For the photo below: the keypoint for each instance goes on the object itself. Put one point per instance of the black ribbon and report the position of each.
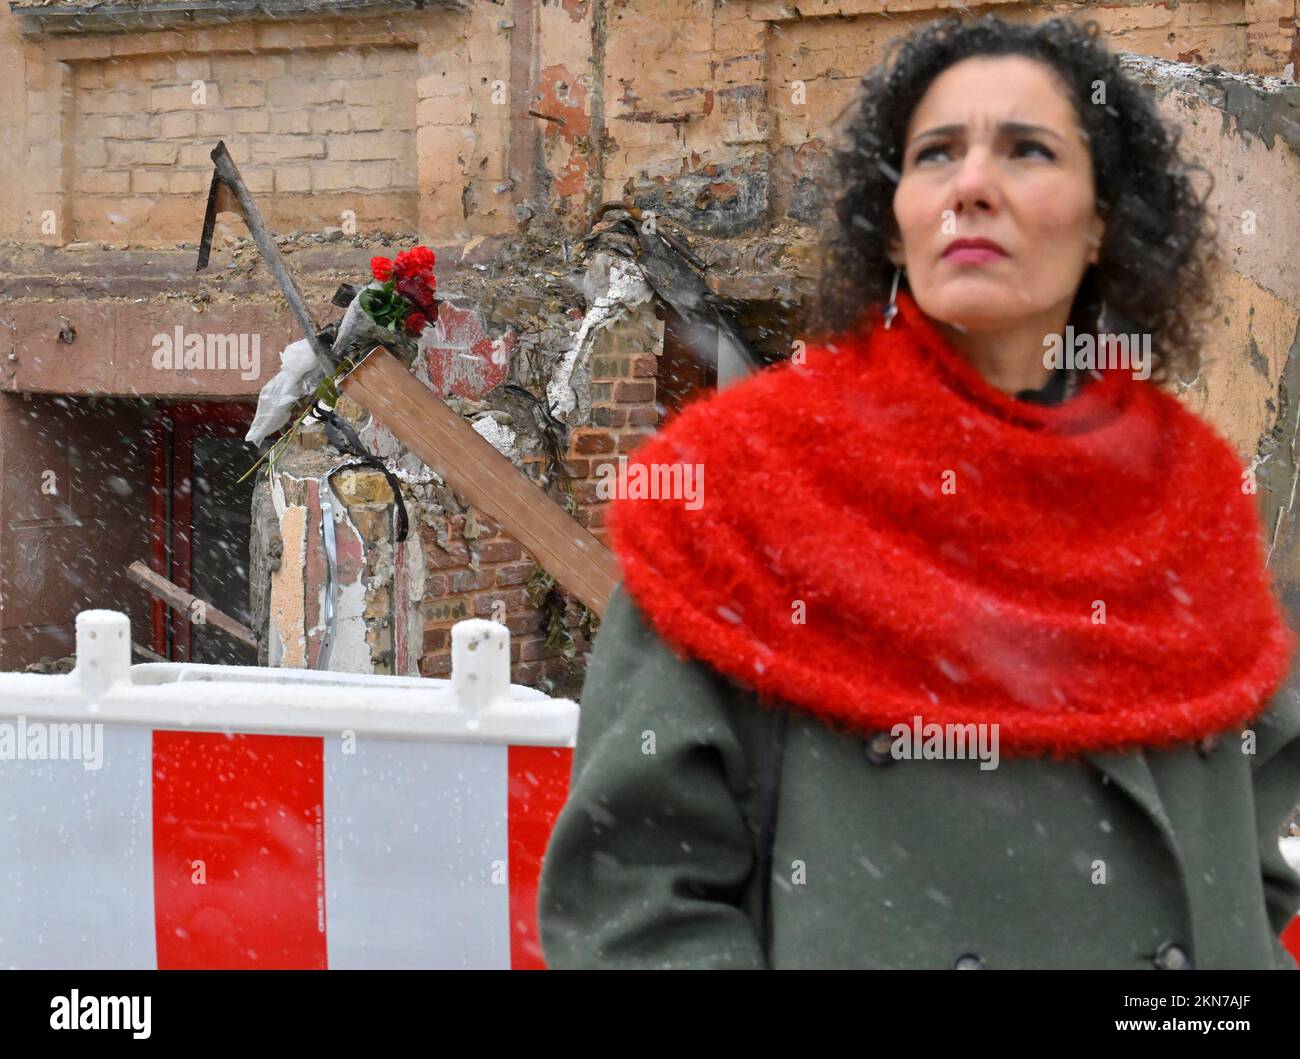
(345, 439)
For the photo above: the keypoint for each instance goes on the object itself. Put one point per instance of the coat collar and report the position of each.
(1129, 771)
(1278, 726)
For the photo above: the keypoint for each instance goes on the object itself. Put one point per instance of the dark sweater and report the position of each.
(1064, 383)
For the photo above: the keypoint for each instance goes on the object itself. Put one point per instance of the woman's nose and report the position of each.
(975, 186)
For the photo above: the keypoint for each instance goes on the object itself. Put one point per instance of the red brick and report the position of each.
(645, 367)
(629, 442)
(631, 392)
(643, 417)
(455, 554)
(598, 467)
(528, 674)
(593, 442)
(515, 599)
(471, 580)
(499, 551)
(532, 648)
(521, 624)
(515, 573)
(435, 665)
(556, 665)
(608, 417)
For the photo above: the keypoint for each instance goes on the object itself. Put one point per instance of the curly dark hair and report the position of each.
(1159, 247)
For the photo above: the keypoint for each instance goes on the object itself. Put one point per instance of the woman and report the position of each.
(969, 657)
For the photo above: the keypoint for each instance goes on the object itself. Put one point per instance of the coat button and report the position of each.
(968, 962)
(877, 748)
(1171, 957)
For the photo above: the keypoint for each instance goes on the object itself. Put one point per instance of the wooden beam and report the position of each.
(468, 463)
(144, 652)
(228, 192)
(180, 600)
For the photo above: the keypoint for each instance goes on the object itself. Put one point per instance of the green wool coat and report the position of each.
(1153, 859)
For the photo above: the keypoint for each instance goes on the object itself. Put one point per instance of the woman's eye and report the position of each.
(1034, 145)
(925, 152)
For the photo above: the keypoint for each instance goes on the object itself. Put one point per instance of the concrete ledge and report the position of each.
(1264, 107)
(122, 16)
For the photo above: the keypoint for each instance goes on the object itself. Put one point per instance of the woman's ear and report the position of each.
(1095, 233)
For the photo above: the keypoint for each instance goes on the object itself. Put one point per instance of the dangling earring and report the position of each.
(891, 310)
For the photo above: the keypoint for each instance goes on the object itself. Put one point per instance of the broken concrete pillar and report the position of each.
(352, 597)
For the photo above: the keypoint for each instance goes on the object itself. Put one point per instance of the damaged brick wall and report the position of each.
(308, 131)
(374, 117)
(492, 132)
(463, 563)
(372, 585)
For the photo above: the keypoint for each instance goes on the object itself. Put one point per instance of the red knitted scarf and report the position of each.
(880, 534)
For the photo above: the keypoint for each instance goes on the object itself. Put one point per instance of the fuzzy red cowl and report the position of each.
(881, 534)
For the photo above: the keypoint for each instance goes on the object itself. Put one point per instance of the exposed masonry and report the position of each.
(1255, 111)
(625, 289)
(1264, 107)
(1278, 469)
(378, 585)
(312, 128)
(395, 606)
(558, 343)
(683, 109)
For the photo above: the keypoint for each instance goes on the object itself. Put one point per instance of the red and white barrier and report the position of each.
(1291, 935)
(189, 816)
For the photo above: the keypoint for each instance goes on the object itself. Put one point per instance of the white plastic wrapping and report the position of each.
(299, 374)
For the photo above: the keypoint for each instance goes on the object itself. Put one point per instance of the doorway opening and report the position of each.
(200, 526)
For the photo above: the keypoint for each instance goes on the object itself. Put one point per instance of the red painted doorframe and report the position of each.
(171, 439)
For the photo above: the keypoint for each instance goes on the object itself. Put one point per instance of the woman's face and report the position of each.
(994, 151)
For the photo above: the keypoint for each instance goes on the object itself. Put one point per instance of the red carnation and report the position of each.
(414, 262)
(381, 268)
(416, 323)
(416, 291)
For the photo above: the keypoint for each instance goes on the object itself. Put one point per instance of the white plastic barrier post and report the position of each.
(176, 815)
(480, 662)
(103, 651)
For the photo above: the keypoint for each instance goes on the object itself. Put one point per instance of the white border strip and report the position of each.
(477, 705)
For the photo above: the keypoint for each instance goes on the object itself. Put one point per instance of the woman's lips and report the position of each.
(972, 255)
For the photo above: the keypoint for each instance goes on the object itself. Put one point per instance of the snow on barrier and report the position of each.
(189, 816)
(172, 815)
